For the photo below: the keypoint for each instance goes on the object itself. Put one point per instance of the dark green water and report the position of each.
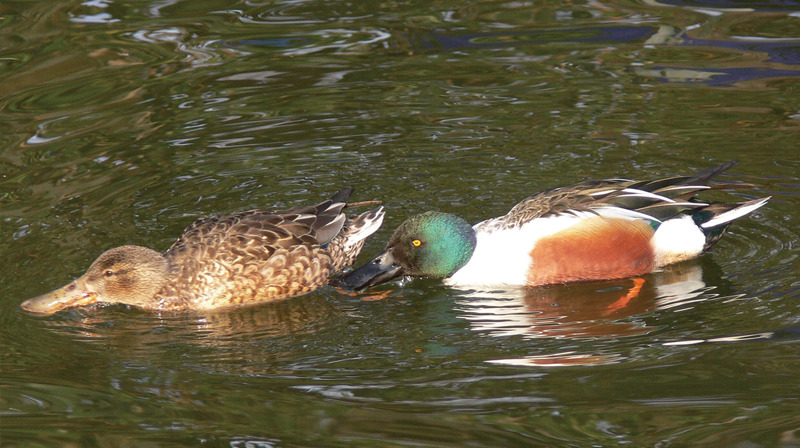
(124, 121)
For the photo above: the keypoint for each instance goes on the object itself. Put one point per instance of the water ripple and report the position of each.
(124, 121)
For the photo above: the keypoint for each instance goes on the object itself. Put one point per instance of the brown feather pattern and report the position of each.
(256, 255)
(234, 259)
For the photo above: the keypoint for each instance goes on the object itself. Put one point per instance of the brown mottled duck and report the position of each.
(240, 258)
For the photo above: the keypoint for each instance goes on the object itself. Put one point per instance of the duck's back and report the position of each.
(252, 256)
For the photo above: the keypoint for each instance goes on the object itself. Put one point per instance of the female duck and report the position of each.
(595, 230)
(241, 258)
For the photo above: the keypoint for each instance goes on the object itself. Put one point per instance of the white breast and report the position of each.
(502, 257)
(676, 240)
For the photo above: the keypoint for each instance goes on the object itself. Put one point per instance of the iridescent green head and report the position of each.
(433, 244)
(430, 244)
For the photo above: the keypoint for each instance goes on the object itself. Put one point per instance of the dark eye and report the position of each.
(108, 273)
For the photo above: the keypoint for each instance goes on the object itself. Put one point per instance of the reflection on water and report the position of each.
(761, 58)
(596, 311)
(595, 35)
(564, 359)
(134, 329)
(737, 5)
(584, 310)
(734, 338)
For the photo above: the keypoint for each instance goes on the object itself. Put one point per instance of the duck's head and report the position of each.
(430, 244)
(130, 275)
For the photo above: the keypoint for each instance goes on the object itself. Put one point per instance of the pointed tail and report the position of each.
(715, 219)
(346, 247)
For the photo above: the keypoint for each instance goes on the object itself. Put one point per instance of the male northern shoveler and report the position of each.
(240, 258)
(595, 230)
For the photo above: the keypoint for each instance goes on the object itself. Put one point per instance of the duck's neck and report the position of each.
(463, 243)
(165, 284)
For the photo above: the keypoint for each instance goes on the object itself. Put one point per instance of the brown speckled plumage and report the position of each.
(235, 259)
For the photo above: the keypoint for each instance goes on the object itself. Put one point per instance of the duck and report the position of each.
(594, 230)
(241, 258)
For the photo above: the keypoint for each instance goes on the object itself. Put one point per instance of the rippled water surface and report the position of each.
(122, 122)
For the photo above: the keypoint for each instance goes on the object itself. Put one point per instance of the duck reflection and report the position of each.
(224, 328)
(583, 310)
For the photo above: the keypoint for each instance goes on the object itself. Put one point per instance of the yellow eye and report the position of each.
(416, 243)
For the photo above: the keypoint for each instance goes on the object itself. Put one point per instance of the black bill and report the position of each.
(378, 270)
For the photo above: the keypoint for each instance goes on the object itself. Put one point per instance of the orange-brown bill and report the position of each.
(71, 295)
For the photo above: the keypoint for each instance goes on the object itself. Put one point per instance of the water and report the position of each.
(124, 121)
